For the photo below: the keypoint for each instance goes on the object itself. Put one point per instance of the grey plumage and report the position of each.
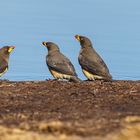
(58, 64)
(4, 58)
(91, 61)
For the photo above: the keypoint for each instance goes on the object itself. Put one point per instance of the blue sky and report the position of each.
(113, 27)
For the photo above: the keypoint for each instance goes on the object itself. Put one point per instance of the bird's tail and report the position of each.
(75, 79)
(107, 79)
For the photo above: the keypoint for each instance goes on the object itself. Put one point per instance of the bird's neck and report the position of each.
(5, 57)
(53, 51)
(86, 46)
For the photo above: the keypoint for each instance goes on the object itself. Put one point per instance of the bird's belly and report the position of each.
(91, 76)
(3, 72)
(58, 75)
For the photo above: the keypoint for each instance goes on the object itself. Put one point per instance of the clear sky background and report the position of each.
(113, 27)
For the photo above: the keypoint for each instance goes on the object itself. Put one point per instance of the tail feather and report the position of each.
(107, 79)
(75, 79)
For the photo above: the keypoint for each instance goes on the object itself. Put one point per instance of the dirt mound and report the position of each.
(58, 108)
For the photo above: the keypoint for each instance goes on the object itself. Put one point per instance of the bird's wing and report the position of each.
(96, 67)
(3, 68)
(61, 64)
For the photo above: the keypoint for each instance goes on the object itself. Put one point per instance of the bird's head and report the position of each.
(50, 46)
(84, 41)
(6, 50)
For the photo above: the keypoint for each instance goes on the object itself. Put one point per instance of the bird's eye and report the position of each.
(7, 50)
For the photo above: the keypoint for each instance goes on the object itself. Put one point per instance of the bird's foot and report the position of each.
(6, 80)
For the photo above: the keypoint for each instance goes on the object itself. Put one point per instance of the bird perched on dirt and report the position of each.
(58, 64)
(4, 58)
(93, 67)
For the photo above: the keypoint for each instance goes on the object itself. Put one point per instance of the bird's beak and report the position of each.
(11, 48)
(77, 37)
(44, 43)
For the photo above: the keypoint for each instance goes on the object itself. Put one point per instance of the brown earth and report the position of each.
(63, 110)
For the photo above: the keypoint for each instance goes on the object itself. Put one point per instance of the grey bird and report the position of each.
(93, 66)
(58, 64)
(4, 58)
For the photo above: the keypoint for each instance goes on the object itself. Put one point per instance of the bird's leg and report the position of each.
(4, 80)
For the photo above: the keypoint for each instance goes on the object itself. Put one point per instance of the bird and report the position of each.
(4, 58)
(58, 64)
(93, 66)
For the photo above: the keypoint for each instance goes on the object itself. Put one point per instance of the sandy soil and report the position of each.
(64, 110)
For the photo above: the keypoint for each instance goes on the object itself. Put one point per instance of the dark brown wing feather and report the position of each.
(58, 62)
(92, 62)
(3, 66)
